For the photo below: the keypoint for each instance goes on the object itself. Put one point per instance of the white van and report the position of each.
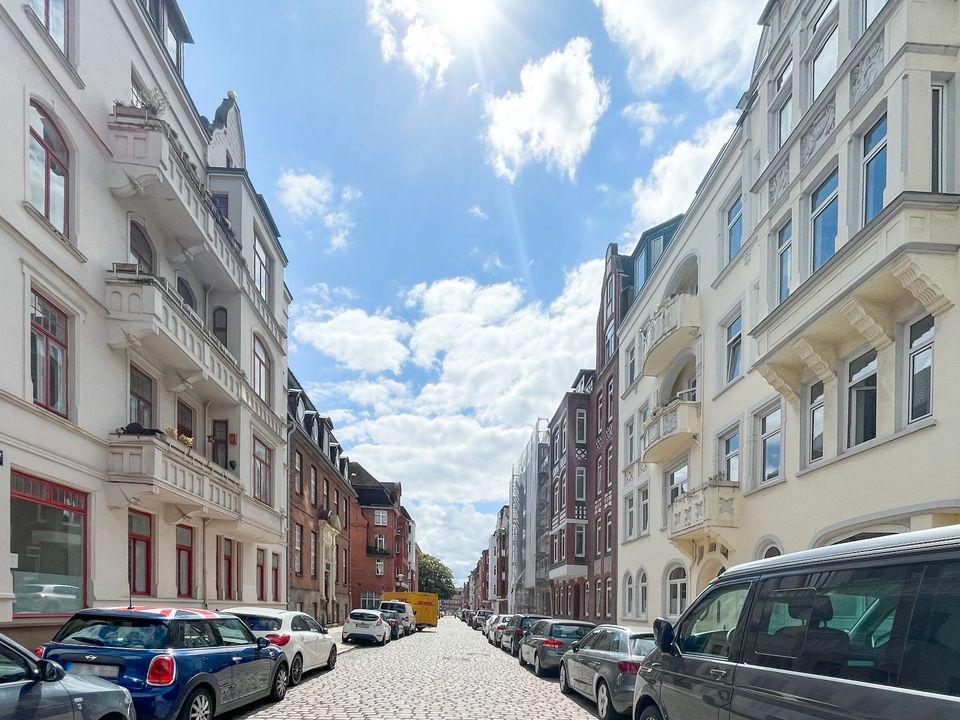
(408, 618)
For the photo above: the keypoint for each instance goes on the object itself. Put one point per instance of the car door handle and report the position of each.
(237, 658)
(718, 673)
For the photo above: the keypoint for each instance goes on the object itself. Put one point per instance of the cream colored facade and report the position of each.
(186, 316)
(864, 321)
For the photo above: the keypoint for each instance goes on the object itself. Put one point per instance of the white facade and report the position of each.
(791, 386)
(151, 313)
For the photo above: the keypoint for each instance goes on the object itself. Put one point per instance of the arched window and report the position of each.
(220, 325)
(261, 370)
(49, 169)
(641, 594)
(140, 248)
(627, 595)
(772, 551)
(676, 591)
(186, 292)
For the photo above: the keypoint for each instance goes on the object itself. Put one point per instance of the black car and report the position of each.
(517, 625)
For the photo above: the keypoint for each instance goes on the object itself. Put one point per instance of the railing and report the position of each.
(705, 509)
(374, 550)
(679, 311)
(672, 426)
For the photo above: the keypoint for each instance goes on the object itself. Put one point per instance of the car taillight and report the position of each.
(162, 670)
(38, 651)
(380, 621)
(518, 631)
(280, 639)
(551, 643)
(501, 626)
(631, 668)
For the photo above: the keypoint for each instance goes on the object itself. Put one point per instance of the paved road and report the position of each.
(447, 674)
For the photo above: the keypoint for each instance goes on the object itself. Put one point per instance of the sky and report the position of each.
(446, 176)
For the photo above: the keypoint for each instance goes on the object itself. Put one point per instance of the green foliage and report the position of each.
(435, 577)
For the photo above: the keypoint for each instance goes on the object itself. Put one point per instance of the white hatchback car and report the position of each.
(304, 641)
(366, 624)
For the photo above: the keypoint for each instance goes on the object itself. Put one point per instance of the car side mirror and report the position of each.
(575, 646)
(663, 635)
(263, 643)
(323, 629)
(50, 671)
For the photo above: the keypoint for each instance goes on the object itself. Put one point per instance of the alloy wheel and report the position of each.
(603, 701)
(332, 660)
(563, 679)
(296, 670)
(200, 708)
(281, 683)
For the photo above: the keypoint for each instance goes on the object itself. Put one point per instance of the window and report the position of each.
(53, 16)
(48, 354)
(563, 491)
(261, 575)
(610, 342)
(937, 137)
(261, 267)
(608, 305)
(140, 248)
(336, 501)
(871, 8)
(874, 169)
(581, 426)
(563, 436)
(186, 293)
(862, 399)
(173, 44)
(599, 546)
(261, 370)
(139, 551)
(184, 419)
(734, 228)
(731, 456)
(369, 600)
(676, 591)
(784, 254)
(298, 549)
(609, 532)
(677, 482)
(784, 121)
(815, 421)
(326, 494)
(628, 595)
(784, 76)
(733, 350)
(49, 170)
(586, 603)
(220, 325)
(631, 364)
(630, 431)
(630, 515)
(556, 543)
(608, 603)
(931, 661)
(579, 541)
(563, 543)
(825, 62)
(262, 472)
(609, 468)
(184, 552)
(379, 567)
(313, 554)
(644, 497)
(298, 472)
(313, 485)
(920, 366)
(770, 455)
(14, 670)
(599, 478)
(708, 629)
(221, 201)
(141, 397)
(610, 400)
(380, 541)
(823, 214)
(218, 446)
(275, 576)
(599, 411)
(641, 594)
(656, 249)
(641, 273)
(556, 447)
(234, 632)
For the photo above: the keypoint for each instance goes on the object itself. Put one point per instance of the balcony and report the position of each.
(374, 550)
(672, 328)
(708, 514)
(575, 568)
(671, 431)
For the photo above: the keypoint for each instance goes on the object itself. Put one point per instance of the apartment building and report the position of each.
(789, 358)
(499, 561)
(321, 501)
(571, 457)
(142, 394)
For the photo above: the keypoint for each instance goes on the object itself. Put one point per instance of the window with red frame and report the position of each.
(275, 572)
(218, 448)
(261, 574)
(141, 397)
(48, 354)
(184, 561)
(262, 478)
(226, 578)
(139, 551)
(49, 174)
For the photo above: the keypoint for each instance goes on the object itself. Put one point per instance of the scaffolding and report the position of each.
(529, 586)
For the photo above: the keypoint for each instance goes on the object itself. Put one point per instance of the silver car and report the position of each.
(31, 688)
(603, 667)
(544, 644)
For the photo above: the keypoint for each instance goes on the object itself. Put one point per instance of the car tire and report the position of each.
(564, 685)
(332, 658)
(346, 639)
(296, 670)
(650, 712)
(605, 709)
(383, 640)
(281, 678)
(523, 662)
(537, 667)
(197, 706)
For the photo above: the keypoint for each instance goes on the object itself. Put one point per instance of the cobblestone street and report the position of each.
(451, 673)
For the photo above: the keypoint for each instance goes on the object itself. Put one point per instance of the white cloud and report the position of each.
(355, 339)
(648, 116)
(408, 35)
(477, 212)
(451, 531)
(493, 263)
(675, 176)
(309, 197)
(709, 45)
(553, 118)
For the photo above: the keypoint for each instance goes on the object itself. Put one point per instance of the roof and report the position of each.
(165, 613)
(262, 611)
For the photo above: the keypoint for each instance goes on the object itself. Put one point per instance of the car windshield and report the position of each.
(569, 632)
(359, 616)
(258, 623)
(641, 645)
(114, 632)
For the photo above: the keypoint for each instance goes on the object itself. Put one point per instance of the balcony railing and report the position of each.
(671, 329)
(374, 550)
(708, 513)
(671, 431)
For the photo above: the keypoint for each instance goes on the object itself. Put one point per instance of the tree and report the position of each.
(435, 577)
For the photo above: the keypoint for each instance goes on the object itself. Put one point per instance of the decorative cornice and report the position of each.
(818, 359)
(870, 321)
(776, 380)
(866, 71)
(780, 181)
(911, 275)
(819, 131)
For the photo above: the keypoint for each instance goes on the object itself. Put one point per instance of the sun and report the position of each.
(464, 19)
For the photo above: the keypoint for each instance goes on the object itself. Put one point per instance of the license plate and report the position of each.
(363, 624)
(111, 672)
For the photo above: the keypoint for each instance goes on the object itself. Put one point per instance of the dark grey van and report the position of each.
(863, 630)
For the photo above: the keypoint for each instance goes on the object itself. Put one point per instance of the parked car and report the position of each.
(369, 625)
(496, 630)
(603, 665)
(513, 631)
(408, 618)
(480, 618)
(172, 660)
(466, 615)
(393, 618)
(869, 628)
(547, 640)
(34, 688)
(304, 641)
(487, 624)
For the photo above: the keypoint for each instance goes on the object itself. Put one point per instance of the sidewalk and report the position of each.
(336, 633)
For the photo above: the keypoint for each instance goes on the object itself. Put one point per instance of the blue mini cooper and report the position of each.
(176, 663)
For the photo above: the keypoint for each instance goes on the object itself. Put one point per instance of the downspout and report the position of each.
(203, 560)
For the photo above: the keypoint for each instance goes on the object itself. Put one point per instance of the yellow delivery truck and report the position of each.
(426, 606)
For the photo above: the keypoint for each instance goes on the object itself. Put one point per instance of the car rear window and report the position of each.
(397, 607)
(258, 623)
(363, 616)
(641, 645)
(114, 632)
(528, 621)
(569, 632)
